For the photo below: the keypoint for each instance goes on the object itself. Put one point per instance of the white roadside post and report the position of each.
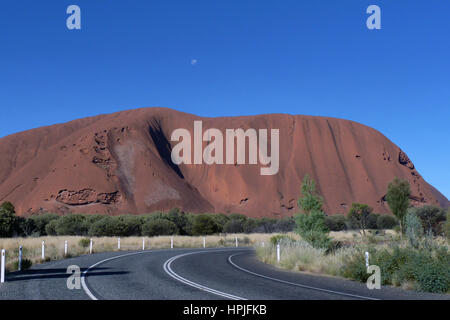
(237, 244)
(118, 243)
(278, 253)
(2, 275)
(20, 259)
(204, 242)
(263, 244)
(143, 244)
(90, 247)
(171, 242)
(43, 250)
(65, 248)
(367, 259)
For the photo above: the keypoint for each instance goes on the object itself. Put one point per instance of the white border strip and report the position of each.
(170, 272)
(296, 284)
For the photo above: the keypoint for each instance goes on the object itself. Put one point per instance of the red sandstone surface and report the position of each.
(120, 163)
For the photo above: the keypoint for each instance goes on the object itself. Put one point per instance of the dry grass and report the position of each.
(300, 256)
(54, 246)
(356, 237)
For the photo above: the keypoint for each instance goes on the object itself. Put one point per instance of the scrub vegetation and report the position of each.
(417, 256)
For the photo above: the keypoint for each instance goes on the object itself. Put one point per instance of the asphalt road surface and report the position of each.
(186, 274)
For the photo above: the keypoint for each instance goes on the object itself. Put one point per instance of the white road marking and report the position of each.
(83, 275)
(168, 269)
(93, 297)
(170, 272)
(296, 284)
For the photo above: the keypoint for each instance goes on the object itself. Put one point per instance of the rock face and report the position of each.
(121, 163)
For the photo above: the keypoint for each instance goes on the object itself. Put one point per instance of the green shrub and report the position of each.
(102, 228)
(90, 220)
(310, 200)
(397, 198)
(189, 224)
(50, 228)
(250, 225)
(434, 278)
(337, 222)
(118, 226)
(7, 220)
(355, 268)
(312, 228)
(386, 222)
(159, 227)
(234, 226)
(204, 224)
(358, 216)
(26, 264)
(238, 216)
(71, 225)
(413, 229)
(372, 221)
(220, 219)
(26, 227)
(286, 224)
(126, 225)
(447, 225)
(181, 220)
(84, 243)
(431, 218)
(428, 269)
(41, 221)
(264, 225)
(274, 240)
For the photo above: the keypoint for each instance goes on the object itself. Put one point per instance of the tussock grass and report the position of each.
(301, 256)
(54, 245)
(398, 261)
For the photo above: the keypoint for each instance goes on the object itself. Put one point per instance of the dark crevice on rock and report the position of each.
(163, 146)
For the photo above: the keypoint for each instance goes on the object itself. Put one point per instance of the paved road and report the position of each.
(188, 274)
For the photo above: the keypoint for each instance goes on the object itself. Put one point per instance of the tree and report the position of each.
(221, 220)
(431, 218)
(386, 222)
(337, 222)
(7, 219)
(204, 224)
(41, 221)
(179, 218)
(398, 199)
(359, 215)
(233, 226)
(311, 223)
(26, 226)
(312, 229)
(309, 200)
(285, 224)
(159, 227)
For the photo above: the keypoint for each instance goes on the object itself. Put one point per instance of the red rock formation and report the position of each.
(120, 163)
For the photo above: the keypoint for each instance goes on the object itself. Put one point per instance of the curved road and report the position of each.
(187, 274)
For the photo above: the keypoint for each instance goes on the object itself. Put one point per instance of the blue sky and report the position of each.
(312, 57)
